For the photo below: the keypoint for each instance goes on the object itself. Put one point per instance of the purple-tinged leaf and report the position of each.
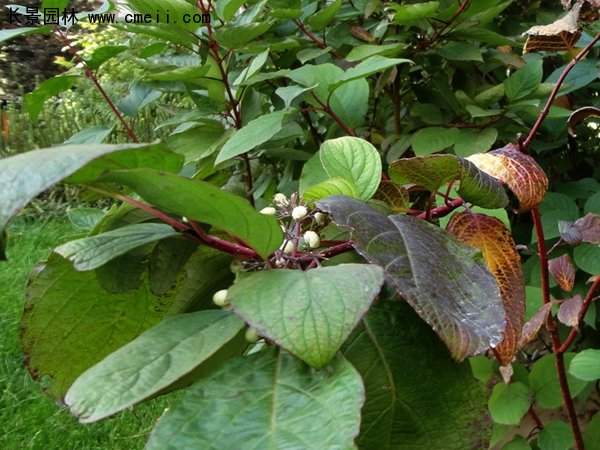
(445, 281)
(569, 310)
(563, 270)
(585, 229)
(534, 325)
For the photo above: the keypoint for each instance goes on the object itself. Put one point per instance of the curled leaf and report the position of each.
(392, 194)
(579, 115)
(568, 313)
(433, 171)
(444, 280)
(585, 229)
(533, 326)
(562, 34)
(489, 235)
(563, 270)
(520, 172)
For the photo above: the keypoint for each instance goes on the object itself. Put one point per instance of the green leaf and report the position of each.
(198, 200)
(544, 382)
(432, 172)
(255, 133)
(468, 142)
(237, 36)
(92, 135)
(461, 51)
(151, 363)
(518, 443)
(586, 365)
(308, 313)
(34, 101)
(198, 142)
(509, 403)
(365, 51)
(22, 177)
(257, 63)
(409, 14)
(355, 160)
(332, 186)
(188, 74)
(60, 4)
(587, 258)
(524, 81)
(92, 252)
(350, 102)
(368, 67)
(554, 208)
(103, 54)
(266, 401)
(416, 396)
(70, 322)
(85, 218)
(591, 434)
(556, 435)
(433, 139)
(324, 16)
(313, 173)
(140, 95)
(226, 9)
(175, 8)
(6, 35)
(453, 291)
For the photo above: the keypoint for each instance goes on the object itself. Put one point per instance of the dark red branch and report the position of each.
(584, 309)
(221, 244)
(442, 211)
(546, 110)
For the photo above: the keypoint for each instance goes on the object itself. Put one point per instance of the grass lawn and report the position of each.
(28, 419)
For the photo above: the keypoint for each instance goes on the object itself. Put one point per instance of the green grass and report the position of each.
(28, 419)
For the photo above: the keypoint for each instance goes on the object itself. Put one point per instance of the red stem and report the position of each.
(89, 73)
(544, 113)
(584, 308)
(553, 330)
(442, 211)
(220, 244)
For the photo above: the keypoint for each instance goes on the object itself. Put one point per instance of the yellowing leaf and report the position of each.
(534, 325)
(568, 313)
(502, 259)
(520, 172)
(395, 196)
(563, 271)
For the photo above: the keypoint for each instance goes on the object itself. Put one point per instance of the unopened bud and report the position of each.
(251, 335)
(312, 239)
(288, 247)
(220, 298)
(268, 211)
(320, 218)
(299, 212)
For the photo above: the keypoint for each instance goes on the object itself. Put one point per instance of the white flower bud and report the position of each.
(251, 335)
(320, 218)
(220, 298)
(299, 212)
(268, 211)
(288, 247)
(312, 239)
(280, 199)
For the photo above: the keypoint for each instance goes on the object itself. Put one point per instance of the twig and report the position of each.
(553, 330)
(584, 308)
(89, 73)
(462, 7)
(441, 211)
(327, 109)
(546, 110)
(314, 38)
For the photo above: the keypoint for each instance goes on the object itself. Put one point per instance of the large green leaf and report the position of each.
(206, 203)
(432, 172)
(226, 8)
(324, 16)
(417, 397)
(174, 8)
(266, 401)
(445, 281)
(309, 313)
(509, 403)
(34, 101)
(369, 66)
(236, 36)
(6, 35)
(24, 176)
(545, 385)
(409, 14)
(586, 365)
(332, 186)
(355, 160)
(153, 361)
(70, 322)
(524, 81)
(257, 132)
(92, 252)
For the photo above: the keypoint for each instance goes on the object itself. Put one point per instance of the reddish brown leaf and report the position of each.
(395, 196)
(502, 259)
(562, 34)
(563, 270)
(585, 229)
(568, 313)
(520, 172)
(534, 325)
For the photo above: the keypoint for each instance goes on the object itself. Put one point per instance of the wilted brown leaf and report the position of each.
(520, 172)
(502, 259)
(568, 313)
(534, 325)
(585, 229)
(563, 271)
